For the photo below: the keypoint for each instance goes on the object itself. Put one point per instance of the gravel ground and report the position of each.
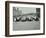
(33, 25)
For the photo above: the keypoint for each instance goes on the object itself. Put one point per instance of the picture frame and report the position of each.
(30, 22)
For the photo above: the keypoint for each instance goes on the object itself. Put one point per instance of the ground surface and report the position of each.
(33, 25)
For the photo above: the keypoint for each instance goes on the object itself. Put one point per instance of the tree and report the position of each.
(38, 12)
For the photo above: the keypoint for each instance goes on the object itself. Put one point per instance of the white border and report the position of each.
(11, 5)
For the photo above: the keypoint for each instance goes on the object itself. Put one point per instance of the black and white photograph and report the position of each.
(24, 18)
